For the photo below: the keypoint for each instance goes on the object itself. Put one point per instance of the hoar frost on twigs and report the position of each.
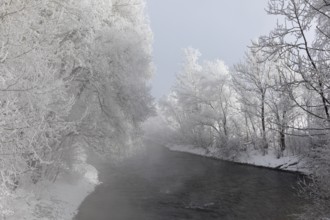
(70, 71)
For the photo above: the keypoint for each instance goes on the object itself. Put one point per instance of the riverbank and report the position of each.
(57, 200)
(253, 158)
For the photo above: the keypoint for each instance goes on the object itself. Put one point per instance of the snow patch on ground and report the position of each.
(288, 163)
(59, 200)
(188, 149)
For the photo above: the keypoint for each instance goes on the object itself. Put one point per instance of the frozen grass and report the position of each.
(288, 163)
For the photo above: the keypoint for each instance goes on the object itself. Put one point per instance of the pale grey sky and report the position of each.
(218, 28)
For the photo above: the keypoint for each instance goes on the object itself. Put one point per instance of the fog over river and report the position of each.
(163, 185)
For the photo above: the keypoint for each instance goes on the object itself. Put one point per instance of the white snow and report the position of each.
(59, 200)
(188, 149)
(289, 163)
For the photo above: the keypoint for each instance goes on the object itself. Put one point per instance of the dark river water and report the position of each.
(165, 185)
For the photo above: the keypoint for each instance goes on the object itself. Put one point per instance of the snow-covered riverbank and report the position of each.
(287, 163)
(59, 200)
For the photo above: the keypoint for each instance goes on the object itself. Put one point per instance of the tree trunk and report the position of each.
(263, 124)
(282, 133)
(247, 127)
(282, 142)
(325, 105)
(225, 130)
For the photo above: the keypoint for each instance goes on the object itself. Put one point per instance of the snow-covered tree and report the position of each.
(35, 100)
(71, 73)
(112, 85)
(282, 109)
(301, 54)
(201, 100)
(251, 80)
(301, 44)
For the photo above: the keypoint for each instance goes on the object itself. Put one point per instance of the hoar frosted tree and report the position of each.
(200, 105)
(71, 73)
(301, 44)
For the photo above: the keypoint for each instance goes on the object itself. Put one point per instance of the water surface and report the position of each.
(164, 185)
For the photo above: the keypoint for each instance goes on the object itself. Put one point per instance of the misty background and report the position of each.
(218, 28)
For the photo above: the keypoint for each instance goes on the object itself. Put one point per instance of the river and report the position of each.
(163, 185)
